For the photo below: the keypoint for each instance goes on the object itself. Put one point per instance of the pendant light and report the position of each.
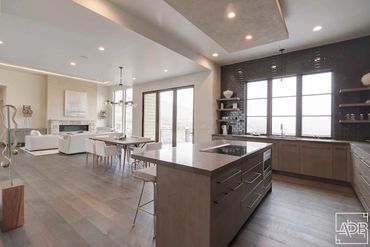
(281, 64)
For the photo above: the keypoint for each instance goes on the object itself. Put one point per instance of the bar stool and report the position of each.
(147, 175)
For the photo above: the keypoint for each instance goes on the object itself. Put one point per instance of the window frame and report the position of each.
(174, 112)
(123, 90)
(299, 97)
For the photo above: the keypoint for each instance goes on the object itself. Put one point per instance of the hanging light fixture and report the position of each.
(281, 64)
(121, 102)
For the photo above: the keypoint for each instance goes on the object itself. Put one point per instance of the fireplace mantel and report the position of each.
(54, 125)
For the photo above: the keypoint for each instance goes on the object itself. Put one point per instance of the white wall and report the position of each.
(206, 90)
(103, 94)
(56, 87)
(24, 88)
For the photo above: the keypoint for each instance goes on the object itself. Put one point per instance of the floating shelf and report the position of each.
(355, 121)
(354, 105)
(228, 109)
(229, 121)
(231, 99)
(352, 90)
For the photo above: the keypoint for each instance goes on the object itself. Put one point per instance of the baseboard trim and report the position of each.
(324, 180)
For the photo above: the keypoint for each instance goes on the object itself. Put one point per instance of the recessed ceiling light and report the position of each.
(133, 78)
(165, 71)
(1, 42)
(231, 15)
(72, 63)
(317, 28)
(101, 48)
(248, 37)
(215, 54)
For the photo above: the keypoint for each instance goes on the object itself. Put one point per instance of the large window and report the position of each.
(257, 107)
(168, 115)
(128, 111)
(284, 105)
(122, 113)
(299, 105)
(316, 104)
(118, 111)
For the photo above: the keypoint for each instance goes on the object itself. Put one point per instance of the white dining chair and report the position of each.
(146, 147)
(107, 153)
(89, 148)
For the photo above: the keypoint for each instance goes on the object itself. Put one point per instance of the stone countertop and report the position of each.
(362, 150)
(189, 157)
(287, 138)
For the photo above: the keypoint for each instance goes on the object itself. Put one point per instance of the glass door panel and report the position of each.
(166, 117)
(184, 113)
(150, 106)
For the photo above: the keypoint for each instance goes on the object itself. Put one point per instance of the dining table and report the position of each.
(124, 142)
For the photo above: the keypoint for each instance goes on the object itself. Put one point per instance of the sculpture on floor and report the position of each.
(8, 138)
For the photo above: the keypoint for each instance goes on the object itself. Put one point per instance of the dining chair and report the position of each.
(107, 152)
(145, 148)
(89, 148)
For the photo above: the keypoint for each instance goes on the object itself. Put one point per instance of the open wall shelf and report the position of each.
(354, 121)
(354, 105)
(353, 90)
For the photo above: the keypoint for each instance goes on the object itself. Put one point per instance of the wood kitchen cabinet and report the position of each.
(341, 168)
(361, 178)
(289, 157)
(316, 159)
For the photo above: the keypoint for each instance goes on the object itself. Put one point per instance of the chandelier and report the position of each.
(120, 102)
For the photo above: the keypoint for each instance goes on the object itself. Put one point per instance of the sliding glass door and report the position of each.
(168, 115)
(184, 121)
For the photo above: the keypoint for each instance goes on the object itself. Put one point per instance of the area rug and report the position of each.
(41, 152)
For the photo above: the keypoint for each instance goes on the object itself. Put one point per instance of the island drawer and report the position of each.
(267, 180)
(251, 178)
(251, 200)
(252, 161)
(227, 181)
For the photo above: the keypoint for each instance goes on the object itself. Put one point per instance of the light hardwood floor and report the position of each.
(67, 204)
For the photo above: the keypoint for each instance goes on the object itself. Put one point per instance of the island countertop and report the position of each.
(190, 157)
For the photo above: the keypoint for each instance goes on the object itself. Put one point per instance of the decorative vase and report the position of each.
(228, 94)
(366, 79)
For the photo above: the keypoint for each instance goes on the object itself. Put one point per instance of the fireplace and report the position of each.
(56, 126)
(73, 127)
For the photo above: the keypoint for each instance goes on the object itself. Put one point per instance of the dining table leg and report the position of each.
(124, 156)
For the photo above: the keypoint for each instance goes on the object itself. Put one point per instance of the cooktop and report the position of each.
(228, 149)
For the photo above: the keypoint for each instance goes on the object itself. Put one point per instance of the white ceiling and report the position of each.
(262, 19)
(48, 35)
(340, 19)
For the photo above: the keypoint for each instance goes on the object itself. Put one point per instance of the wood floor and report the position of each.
(67, 204)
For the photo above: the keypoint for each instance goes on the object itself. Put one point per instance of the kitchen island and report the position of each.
(206, 192)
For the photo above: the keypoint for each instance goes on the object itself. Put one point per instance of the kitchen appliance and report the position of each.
(267, 162)
(224, 129)
(229, 149)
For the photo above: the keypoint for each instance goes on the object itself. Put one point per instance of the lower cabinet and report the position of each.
(361, 179)
(316, 160)
(288, 156)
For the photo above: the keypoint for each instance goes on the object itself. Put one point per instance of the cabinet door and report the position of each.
(289, 157)
(275, 156)
(316, 159)
(340, 167)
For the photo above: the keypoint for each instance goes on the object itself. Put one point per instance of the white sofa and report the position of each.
(41, 142)
(75, 143)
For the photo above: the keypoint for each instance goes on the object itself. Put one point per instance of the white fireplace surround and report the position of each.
(54, 125)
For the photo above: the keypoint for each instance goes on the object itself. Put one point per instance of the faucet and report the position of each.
(281, 129)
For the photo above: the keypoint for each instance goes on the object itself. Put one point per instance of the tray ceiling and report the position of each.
(262, 19)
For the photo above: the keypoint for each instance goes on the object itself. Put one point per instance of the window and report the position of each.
(317, 104)
(171, 120)
(257, 107)
(149, 123)
(284, 105)
(118, 111)
(128, 111)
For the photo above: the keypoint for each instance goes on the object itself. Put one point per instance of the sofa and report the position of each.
(41, 142)
(74, 143)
